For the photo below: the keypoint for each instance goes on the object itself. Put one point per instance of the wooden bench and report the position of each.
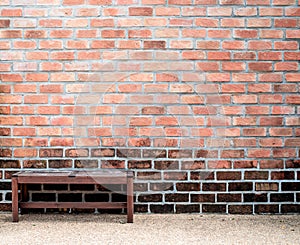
(111, 176)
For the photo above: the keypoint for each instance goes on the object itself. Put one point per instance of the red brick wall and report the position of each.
(199, 97)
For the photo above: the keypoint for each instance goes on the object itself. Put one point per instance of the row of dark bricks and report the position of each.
(213, 175)
(157, 164)
(186, 208)
(133, 153)
(209, 187)
(219, 208)
(168, 197)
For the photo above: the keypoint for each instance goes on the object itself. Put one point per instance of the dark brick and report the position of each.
(154, 44)
(240, 209)
(150, 198)
(56, 187)
(292, 163)
(10, 164)
(8, 196)
(44, 197)
(232, 154)
(116, 197)
(192, 165)
(5, 185)
(266, 186)
(166, 165)
(202, 175)
(188, 186)
(206, 154)
(282, 197)
(271, 164)
(8, 174)
(140, 186)
(228, 175)
(35, 164)
(180, 154)
(251, 197)
(229, 197)
(139, 164)
(298, 197)
(161, 186)
(203, 198)
(282, 175)
(70, 197)
(140, 208)
(79, 187)
(51, 153)
(253, 175)
(5, 131)
(162, 209)
(1, 197)
(5, 153)
(110, 187)
(261, 208)
(77, 153)
(213, 187)
(149, 175)
(97, 197)
(154, 153)
(290, 208)
(177, 197)
(60, 163)
(245, 164)
(105, 152)
(192, 208)
(213, 208)
(5, 206)
(113, 164)
(290, 186)
(175, 175)
(129, 153)
(86, 163)
(240, 186)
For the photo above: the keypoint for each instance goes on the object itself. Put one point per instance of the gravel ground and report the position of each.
(150, 229)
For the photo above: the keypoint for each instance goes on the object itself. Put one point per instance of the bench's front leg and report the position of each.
(130, 199)
(15, 201)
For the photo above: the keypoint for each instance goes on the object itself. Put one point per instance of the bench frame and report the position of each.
(23, 178)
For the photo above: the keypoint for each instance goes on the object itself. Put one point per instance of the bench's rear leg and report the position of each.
(15, 201)
(129, 199)
(24, 193)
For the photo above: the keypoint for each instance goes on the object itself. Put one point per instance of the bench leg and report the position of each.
(130, 200)
(15, 201)
(24, 197)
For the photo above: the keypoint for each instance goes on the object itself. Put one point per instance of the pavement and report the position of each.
(150, 229)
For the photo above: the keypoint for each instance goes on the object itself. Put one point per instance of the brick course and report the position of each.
(199, 98)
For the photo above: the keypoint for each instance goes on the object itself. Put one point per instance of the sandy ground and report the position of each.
(150, 229)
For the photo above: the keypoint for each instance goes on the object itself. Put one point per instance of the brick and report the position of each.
(240, 209)
(34, 164)
(140, 11)
(176, 197)
(16, 12)
(166, 208)
(214, 208)
(261, 209)
(266, 186)
(271, 164)
(229, 198)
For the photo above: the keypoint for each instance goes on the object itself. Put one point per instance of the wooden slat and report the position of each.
(106, 205)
